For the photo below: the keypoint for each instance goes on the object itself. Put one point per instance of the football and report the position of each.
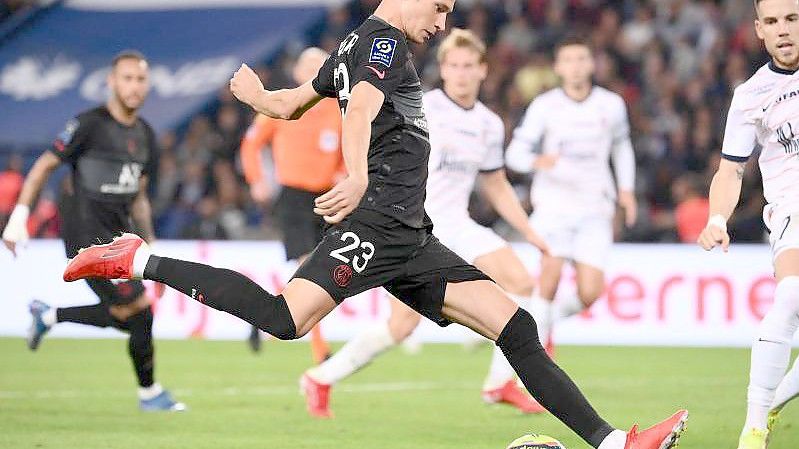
(535, 441)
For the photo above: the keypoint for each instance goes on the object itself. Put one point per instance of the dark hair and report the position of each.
(128, 54)
(575, 39)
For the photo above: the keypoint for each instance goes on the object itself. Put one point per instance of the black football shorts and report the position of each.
(369, 249)
(301, 227)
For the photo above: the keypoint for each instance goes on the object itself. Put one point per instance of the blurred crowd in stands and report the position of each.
(10, 7)
(676, 63)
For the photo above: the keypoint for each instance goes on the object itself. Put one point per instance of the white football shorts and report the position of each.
(784, 230)
(468, 239)
(582, 239)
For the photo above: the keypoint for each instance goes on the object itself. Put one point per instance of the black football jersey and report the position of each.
(378, 53)
(108, 158)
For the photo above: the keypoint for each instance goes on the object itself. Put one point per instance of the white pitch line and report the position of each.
(382, 387)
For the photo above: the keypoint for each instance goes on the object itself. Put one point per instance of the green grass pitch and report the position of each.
(79, 394)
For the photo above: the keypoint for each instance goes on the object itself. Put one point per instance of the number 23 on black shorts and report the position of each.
(365, 251)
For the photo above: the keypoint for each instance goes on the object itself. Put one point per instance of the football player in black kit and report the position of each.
(379, 234)
(112, 152)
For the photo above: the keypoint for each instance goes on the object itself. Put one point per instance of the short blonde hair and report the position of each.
(460, 38)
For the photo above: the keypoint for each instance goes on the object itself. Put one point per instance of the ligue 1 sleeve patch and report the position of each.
(66, 135)
(383, 50)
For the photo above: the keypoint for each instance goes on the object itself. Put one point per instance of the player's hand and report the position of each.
(261, 192)
(245, 85)
(341, 200)
(630, 205)
(714, 235)
(545, 161)
(537, 241)
(16, 231)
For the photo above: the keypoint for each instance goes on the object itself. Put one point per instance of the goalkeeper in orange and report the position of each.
(308, 162)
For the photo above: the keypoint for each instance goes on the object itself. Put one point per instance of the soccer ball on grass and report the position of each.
(535, 441)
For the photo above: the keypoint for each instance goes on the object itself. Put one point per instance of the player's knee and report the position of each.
(782, 321)
(142, 321)
(521, 285)
(589, 294)
(103, 317)
(123, 312)
(520, 335)
(277, 320)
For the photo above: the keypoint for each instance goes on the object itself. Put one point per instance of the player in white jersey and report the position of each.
(568, 137)
(765, 113)
(466, 141)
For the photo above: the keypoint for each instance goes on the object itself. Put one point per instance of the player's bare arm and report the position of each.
(286, 104)
(628, 202)
(503, 199)
(142, 215)
(356, 130)
(141, 212)
(545, 161)
(725, 191)
(16, 230)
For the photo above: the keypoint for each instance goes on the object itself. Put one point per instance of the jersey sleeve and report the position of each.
(495, 140)
(69, 143)
(258, 134)
(324, 84)
(622, 152)
(526, 139)
(740, 134)
(380, 61)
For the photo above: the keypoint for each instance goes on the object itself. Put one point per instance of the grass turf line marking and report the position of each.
(382, 387)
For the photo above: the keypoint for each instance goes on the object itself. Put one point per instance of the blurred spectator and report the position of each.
(676, 63)
(228, 129)
(207, 226)
(11, 180)
(197, 143)
(10, 7)
(690, 215)
(43, 220)
(339, 23)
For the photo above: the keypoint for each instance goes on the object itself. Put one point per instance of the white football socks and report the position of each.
(358, 352)
(140, 260)
(499, 372)
(541, 310)
(615, 440)
(565, 306)
(49, 317)
(771, 353)
(788, 388)
(147, 393)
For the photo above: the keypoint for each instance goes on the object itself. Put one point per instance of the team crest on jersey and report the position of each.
(383, 51)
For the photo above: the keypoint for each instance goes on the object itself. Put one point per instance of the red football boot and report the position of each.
(110, 261)
(511, 394)
(317, 397)
(664, 435)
